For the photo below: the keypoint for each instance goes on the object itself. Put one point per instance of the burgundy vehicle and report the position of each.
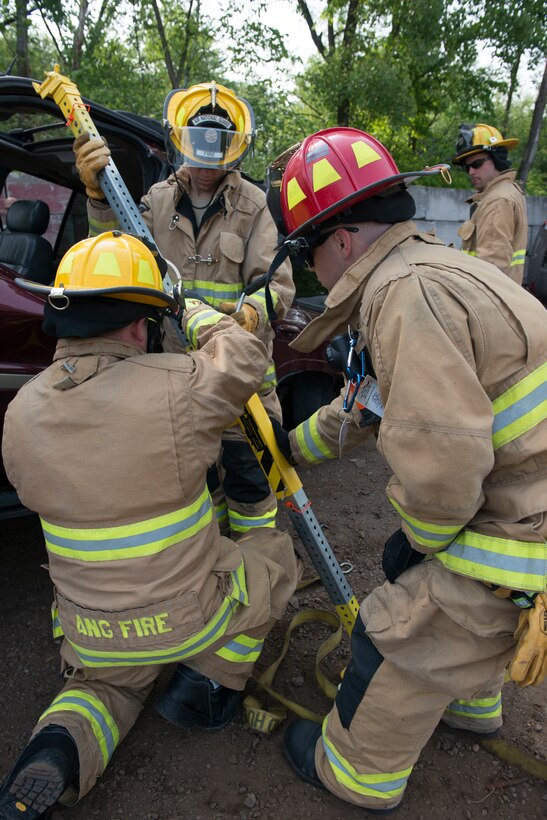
(43, 213)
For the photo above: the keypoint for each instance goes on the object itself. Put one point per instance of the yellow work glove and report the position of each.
(247, 317)
(529, 664)
(92, 155)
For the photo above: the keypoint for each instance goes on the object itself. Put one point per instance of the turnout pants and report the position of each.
(241, 494)
(433, 641)
(98, 706)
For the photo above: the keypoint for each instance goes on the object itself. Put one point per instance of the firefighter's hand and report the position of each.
(282, 440)
(247, 317)
(398, 556)
(92, 155)
(529, 664)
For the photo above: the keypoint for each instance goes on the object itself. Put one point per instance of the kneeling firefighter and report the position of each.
(449, 369)
(111, 445)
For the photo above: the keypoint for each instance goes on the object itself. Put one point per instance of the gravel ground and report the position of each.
(163, 773)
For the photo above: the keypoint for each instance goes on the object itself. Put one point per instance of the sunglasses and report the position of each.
(308, 259)
(478, 163)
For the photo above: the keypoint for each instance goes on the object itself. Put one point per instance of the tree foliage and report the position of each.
(408, 71)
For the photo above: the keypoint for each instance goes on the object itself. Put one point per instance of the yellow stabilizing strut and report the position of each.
(76, 113)
(285, 483)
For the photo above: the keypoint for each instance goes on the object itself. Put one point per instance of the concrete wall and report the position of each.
(442, 210)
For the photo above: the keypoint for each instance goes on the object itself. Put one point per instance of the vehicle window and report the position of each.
(75, 226)
(19, 185)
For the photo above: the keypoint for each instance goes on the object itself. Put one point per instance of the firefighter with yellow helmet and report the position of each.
(497, 229)
(446, 365)
(110, 445)
(215, 227)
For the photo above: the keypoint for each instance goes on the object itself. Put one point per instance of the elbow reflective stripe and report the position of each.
(429, 535)
(508, 563)
(205, 318)
(214, 292)
(520, 408)
(202, 640)
(56, 623)
(518, 257)
(313, 448)
(93, 710)
(241, 649)
(382, 786)
(470, 253)
(244, 523)
(96, 226)
(270, 379)
(481, 709)
(132, 540)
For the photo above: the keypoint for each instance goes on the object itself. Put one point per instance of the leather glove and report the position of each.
(92, 155)
(247, 317)
(529, 664)
(282, 440)
(398, 555)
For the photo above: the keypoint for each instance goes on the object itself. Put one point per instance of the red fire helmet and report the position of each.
(334, 169)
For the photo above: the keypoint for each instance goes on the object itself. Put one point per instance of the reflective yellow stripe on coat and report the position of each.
(520, 408)
(503, 561)
(313, 448)
(130, 540)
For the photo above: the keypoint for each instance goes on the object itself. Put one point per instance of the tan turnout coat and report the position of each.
(497, 230)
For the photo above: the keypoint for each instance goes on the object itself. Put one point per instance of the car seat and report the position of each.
(22, 246)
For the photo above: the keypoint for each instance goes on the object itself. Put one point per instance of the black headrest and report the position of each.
(28, 216)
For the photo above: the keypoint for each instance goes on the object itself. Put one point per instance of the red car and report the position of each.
(37, 166)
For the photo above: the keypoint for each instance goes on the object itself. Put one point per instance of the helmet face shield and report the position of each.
(204, 147)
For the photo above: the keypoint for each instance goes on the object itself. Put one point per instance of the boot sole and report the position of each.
(37, 787)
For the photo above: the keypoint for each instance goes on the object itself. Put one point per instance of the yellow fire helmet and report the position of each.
(112, 264)
(207, 126)
(473, 139)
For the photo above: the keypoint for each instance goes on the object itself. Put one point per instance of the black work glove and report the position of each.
(282, 440)
(398, 555)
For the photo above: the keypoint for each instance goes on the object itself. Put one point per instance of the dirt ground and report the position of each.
(163, 773)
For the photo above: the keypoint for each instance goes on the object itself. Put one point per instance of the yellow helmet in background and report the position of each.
(207, 126)
(473, 139)
(111, 264)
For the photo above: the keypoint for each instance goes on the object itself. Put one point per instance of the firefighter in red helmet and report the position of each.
(447, 367)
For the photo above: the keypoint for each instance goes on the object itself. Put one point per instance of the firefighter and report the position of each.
(447, 366)
(497, 228)
(110, 445)
(216, 228)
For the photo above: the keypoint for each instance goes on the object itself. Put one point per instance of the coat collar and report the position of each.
(97, 346)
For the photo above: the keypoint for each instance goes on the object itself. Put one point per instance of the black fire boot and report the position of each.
(299, 742)
(191, 700)
(44, 770)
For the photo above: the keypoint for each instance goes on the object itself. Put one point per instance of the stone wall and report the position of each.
(442, 210)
